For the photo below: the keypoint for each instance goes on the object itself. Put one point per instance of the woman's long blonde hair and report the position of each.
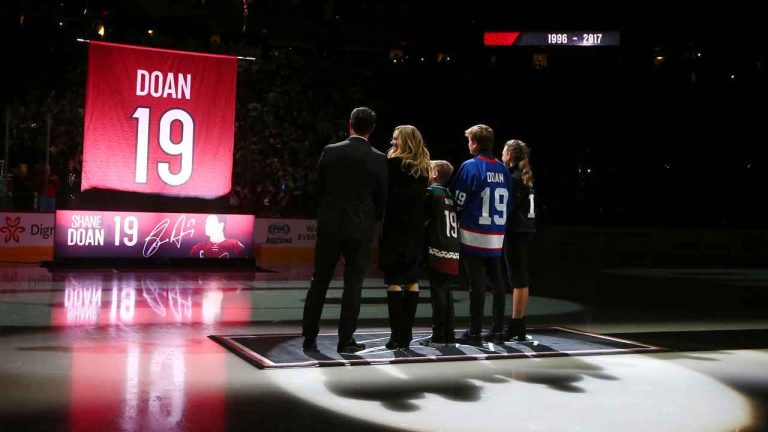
(520, 151)
(411, 149)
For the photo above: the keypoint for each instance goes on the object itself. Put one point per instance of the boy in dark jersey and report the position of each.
(481, 188)
(442, 242)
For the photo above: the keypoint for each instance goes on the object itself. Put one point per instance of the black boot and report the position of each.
(395, 307)
(410, 303)
(516, 330)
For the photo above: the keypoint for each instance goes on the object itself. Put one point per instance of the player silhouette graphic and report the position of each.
(217, 246)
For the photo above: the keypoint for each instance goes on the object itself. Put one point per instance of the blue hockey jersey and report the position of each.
(482, 191)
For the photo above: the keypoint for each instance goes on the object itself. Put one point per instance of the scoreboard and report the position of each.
(558, 38)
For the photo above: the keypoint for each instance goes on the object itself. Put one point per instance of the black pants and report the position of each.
(479, 270)
(442, 307)
(328, 249)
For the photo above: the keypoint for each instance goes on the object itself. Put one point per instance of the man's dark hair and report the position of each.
(362, 120)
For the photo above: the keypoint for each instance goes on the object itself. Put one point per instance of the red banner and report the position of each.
(159, 121)
(500, 38)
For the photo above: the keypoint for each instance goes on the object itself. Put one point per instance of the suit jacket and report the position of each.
(352, 187)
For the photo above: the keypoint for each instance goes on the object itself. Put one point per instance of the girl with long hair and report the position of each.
(520, 228)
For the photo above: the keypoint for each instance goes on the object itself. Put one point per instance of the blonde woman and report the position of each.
(402, 238)
(520, 228)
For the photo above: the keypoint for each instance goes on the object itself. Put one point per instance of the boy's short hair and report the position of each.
(444, 170)
(482, 135)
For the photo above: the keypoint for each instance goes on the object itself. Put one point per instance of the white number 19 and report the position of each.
(183, 147)
(131, 227)
(500, 202)
(451, 229)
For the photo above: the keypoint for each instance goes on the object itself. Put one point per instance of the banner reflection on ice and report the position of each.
(149, 386)
(126, 299)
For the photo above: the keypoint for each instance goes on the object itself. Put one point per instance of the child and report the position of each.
(520, 228)
(442, 241)
(481, 188)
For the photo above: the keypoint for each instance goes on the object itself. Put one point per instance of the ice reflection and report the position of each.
(178, 299)
(135, 299)
(153, 387)
(166, 388)
(130, 409)
(123, 306)
(82, 300)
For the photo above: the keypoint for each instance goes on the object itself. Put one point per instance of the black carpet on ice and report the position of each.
(285, 350)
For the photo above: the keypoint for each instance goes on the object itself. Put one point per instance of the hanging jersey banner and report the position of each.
(158, 121)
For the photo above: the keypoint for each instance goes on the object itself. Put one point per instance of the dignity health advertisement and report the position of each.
(100, 234)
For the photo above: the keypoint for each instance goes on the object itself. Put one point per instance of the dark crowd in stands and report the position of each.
(283, 115)
(663, 131)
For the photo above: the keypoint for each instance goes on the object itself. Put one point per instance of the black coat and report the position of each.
(402, 237)
(352, 188)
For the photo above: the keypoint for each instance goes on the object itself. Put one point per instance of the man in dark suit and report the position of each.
(352, 187)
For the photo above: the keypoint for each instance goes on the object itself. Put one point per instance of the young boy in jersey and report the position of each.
(442, 242)
(481, 188)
